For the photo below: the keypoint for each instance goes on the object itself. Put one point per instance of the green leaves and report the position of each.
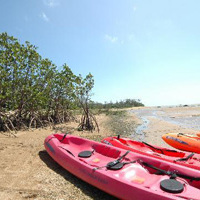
(31, 84)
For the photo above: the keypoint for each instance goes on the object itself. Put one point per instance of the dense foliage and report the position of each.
(33, 92)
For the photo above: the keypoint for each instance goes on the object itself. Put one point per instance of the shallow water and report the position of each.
(139, 130)
(190, 119)
(185, 122)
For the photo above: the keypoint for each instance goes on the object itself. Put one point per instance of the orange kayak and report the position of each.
(183, 142)
(198, 134)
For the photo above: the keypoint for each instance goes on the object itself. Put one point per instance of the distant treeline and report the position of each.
(127, 103)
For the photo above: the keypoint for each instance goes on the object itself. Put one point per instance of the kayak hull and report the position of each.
(155, 151)
(183, 142)
(133, 181)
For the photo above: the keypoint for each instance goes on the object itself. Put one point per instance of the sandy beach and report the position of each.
(157, 121)
(28, 172)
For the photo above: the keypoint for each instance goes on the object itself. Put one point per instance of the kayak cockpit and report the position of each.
(104, 166)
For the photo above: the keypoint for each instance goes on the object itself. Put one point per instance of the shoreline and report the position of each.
(168, 119)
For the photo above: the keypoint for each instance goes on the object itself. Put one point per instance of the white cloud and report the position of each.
(44, 17)
(51, 3)
(112, 39)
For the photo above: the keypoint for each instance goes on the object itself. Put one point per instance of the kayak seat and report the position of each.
(106, 151)
(103, 158)
(96, 160)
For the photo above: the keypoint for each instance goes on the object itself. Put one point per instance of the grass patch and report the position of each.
(121, 123)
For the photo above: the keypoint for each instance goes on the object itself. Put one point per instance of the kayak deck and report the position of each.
(136, 177)
(183, 158)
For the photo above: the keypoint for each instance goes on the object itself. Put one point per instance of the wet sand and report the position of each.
(154, 122)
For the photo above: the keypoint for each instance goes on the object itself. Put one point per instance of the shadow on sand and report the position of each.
(88, 189)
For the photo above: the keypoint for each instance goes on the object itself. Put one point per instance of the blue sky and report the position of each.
(138, 49)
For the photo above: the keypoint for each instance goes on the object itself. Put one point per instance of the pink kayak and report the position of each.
(124, 174)
(182, 158)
